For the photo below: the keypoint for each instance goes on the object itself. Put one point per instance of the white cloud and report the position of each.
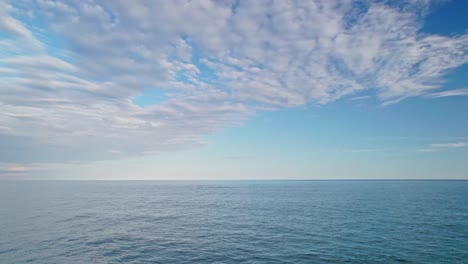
(455, 92)
(7, 169)
(70, 94)
(449, 145)
(360, 150)
(16, 169)
(10, 24)
(435, 147)
(364, 97)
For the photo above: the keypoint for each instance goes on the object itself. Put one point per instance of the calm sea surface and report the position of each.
(234, 222)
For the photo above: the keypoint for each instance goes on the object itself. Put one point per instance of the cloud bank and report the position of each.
(71, 70)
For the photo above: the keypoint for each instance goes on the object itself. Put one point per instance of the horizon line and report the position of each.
(236, 180)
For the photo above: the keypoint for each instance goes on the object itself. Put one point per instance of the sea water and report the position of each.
(233, 222)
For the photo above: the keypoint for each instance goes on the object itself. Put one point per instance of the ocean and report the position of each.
(233, 222)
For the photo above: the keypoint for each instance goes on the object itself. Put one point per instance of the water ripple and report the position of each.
(234, 222)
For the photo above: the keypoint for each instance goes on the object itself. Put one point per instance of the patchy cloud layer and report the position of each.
(71, 70)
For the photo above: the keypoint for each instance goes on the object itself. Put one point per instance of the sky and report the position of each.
(233, 90)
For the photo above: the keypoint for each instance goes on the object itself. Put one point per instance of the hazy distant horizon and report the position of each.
(12, 179)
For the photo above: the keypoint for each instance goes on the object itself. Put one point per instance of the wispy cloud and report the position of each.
(449, 145)
(441, 146)
(13, 170)
(70, 70)
(361, 97)
(240, 157)
(360, 150)
(455, 92)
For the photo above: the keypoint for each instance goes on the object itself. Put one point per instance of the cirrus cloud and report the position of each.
(449, 145)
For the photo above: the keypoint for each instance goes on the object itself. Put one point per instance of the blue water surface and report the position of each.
(233, 222)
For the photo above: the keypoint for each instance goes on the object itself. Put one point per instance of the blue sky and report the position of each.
(233, 90)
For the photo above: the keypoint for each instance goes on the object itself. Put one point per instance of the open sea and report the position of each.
(233, 222)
